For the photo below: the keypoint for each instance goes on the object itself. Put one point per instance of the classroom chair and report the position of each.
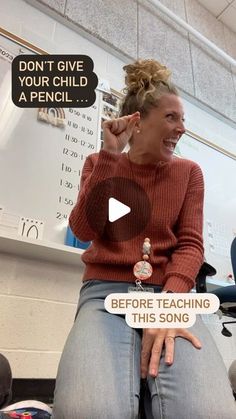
(233, 257)
(226, 295)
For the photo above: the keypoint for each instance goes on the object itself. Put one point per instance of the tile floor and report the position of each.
(226, 345)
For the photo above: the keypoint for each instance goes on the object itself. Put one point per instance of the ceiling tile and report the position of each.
(215, 6)
(229, 17)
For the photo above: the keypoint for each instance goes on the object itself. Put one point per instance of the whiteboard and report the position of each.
(42, 152)
(41, 164)
(219, 172)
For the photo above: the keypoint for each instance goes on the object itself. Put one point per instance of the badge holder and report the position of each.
(143, 270)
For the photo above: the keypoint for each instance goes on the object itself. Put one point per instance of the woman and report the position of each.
(104, 359)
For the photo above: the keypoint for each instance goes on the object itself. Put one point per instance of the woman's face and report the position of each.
(162, 128)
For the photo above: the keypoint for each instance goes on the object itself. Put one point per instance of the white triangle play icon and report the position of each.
(116, 209)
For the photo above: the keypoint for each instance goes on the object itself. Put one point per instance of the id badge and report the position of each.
(143, 289)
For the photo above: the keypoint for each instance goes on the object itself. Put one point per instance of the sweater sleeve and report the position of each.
(188, 255)
(96, 169)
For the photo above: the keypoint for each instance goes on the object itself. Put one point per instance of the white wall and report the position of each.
(137, 29)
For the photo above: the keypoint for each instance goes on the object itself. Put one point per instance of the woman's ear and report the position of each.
(137, 127)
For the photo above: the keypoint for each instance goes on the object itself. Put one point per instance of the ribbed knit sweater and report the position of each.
(176, 191)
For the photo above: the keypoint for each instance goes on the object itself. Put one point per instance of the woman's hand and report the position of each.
(117, 132)
(153, 342)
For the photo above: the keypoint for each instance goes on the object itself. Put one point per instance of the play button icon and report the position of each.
(117, 209)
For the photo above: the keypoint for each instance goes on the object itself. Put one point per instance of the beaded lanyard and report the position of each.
(142, 270)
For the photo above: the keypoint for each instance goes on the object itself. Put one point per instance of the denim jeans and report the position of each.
(99, 371)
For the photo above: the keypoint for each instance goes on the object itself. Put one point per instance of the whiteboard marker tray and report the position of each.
(41, 250)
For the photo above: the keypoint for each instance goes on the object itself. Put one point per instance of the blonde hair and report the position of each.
(146, 81)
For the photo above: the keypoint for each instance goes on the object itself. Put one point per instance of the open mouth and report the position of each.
(170, 144)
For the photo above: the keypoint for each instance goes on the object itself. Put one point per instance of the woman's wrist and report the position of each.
(110, 150)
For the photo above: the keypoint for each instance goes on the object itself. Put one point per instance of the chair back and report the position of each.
(205, 270)
(233, 257)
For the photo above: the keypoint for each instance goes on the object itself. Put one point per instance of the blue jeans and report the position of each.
(99, 371)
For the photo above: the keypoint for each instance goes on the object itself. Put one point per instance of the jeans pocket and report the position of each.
(86, 284)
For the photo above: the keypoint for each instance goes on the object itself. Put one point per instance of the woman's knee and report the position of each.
(80, 409)
(178, 408)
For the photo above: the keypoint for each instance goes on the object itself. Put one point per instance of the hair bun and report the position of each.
(145, 74)
(146, 82)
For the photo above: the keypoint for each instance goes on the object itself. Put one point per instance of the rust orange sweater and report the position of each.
(174, 228)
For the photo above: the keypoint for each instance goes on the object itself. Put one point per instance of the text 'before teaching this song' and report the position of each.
(147, 310)
(53, 81)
